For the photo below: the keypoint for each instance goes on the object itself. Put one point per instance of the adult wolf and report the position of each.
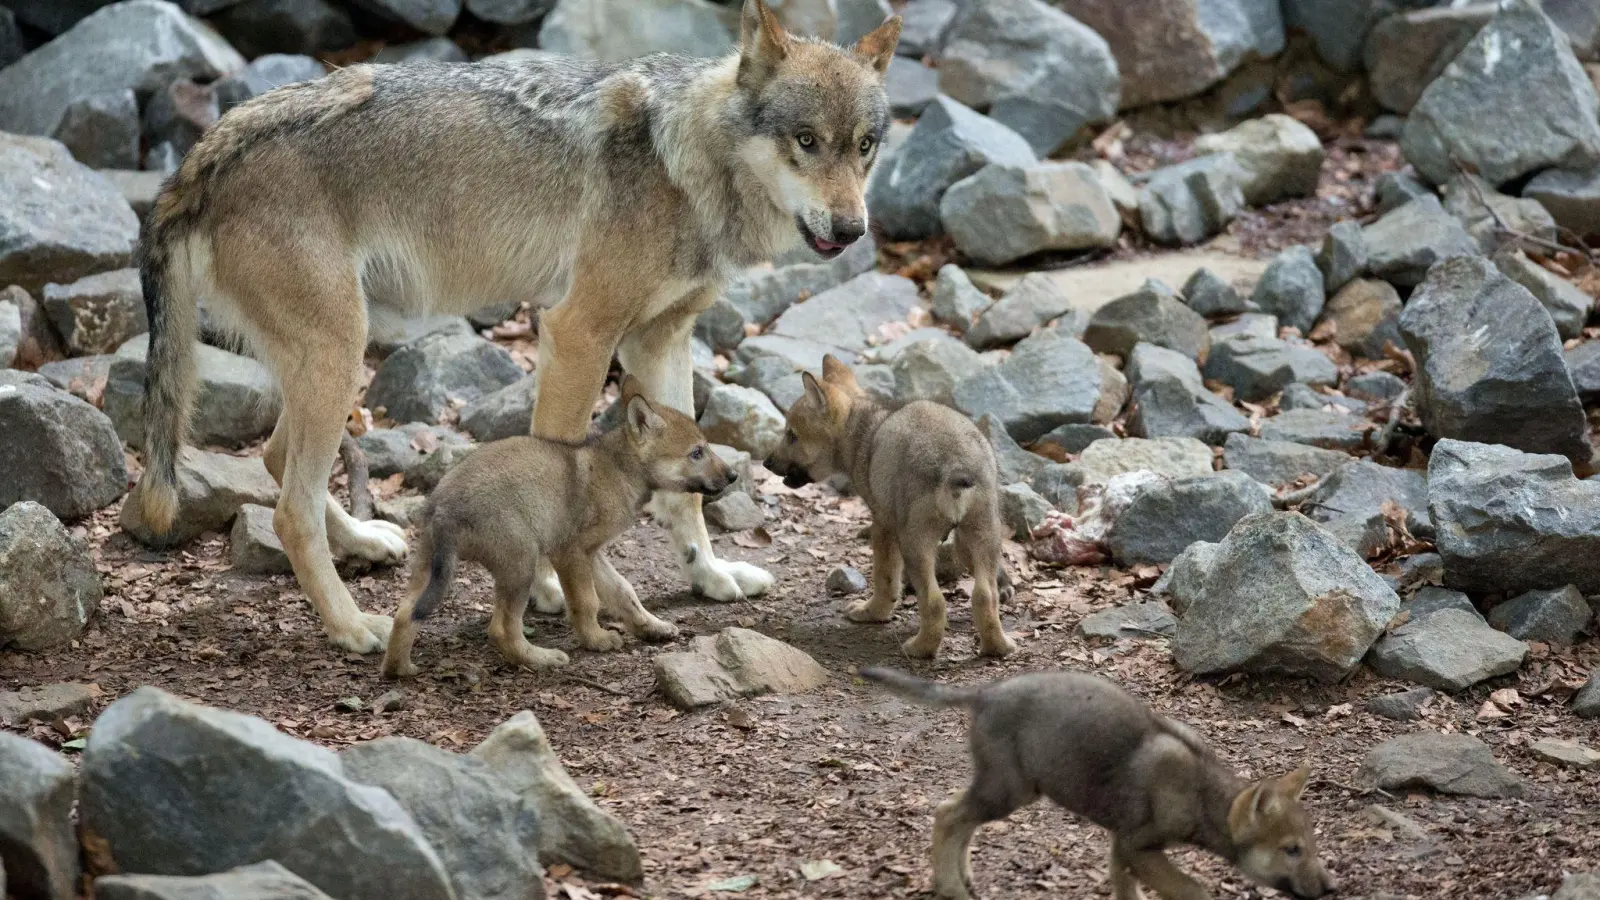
(620, 197)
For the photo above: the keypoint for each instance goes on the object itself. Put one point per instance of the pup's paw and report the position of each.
(864, 611)
(375, 541)
(601, 640)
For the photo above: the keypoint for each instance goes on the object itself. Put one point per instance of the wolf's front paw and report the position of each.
(869, 611)
(727, 581)
(654, 629)
(375, 541)
(601, 640)
(369, 634)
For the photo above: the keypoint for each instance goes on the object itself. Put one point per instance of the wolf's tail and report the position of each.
(919, 690)
(956, 494)
(170, 299)
(439, 548)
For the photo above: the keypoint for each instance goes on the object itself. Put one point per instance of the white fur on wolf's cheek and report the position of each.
(789, 191)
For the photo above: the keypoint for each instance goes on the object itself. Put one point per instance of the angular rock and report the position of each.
(849, 316)
(1186, 577)
(12, 49)
(1074, 439)
(1123, 195)
(1317, 428)
(211, 489)
(1257, 367)
(572, 829)
(1208, 294)
(1300, 396)
(10, 331)
(1280, 157)
(1404, 244)
(436, 49)
(58, 450)
(1583, 364)
(1478, 111)
(1450, 650)
(396, 451)
(49, 588)
(237, 401)
(846, 580)
(163, 781)
(509, 12)
(1151, 315)
(46, 703)
(1405, 706)
(1396, 189)
(264, 27)
(99, 313)
(1568, 306)
(1170, 400)
(102, 130)
(507, 412)
(858, 17)
(1430, 600)
(1050, 379)
(1034, 67)
(1554, 616)
(486, 835)
(910, 86)
(737, 662)
(1489, 363)
(37, 839)
(1191, 201)
(1377, 387)
(1365, 315)
(1291, 289)
(427, 474)
(1448, 763)
(1568, 754)
(1130, 621)
(274, 70)
(1407, 51)
(1349, 503)
(1283, 596)
(1178, 48)
(1572, 197)
(743, 418)
(426, 16)
(1004, 213)
(1174, 457)
(618, 30)
(418, 382)
(1058, 484)
(949, 143)
(1022, 510)
(61, 220)
(1343, 255)
(261, 881)
(1491, 217)
(955, 301)
(1031, 302)
(1586, 703)
(1279, 462)
(735, 512)
(1167, 516)
(1508, 521)
(253, 545)
(179, 113)
(930, 369)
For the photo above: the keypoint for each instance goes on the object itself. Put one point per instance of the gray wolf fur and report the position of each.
(1099, 752)
(521, 499)
(926, 472)
(619, 198)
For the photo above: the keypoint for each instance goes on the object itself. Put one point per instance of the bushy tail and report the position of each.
(170, 304)
(919, 690)
(439, 548)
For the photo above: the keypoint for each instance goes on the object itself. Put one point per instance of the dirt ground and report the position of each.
(844, 775)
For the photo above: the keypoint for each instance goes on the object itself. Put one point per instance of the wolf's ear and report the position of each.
(763, 44)
(814, 390)
(1294, 783)
(877, 47)
(642, 418)
(631, 387)
(837, 373)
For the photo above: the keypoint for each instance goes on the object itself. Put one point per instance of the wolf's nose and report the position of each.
(848, 229)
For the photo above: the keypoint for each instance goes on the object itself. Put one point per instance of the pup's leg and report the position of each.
(979, 539)
(375, 541)
(1123, 885)
(511, 586)
(577, 579)
(1167, 880)
(618, 598)
(921, 547)
(887, 567)
(996, 791)
(659, 356)
(954, 824)
(397, 656)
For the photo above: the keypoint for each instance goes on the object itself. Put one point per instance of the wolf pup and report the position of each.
(1099, 752)
(521, 499)
(618, 197)
(924, 470)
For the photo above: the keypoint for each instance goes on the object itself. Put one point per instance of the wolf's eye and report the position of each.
(866, 146)
(1292, 851)
(806, 139)
(697, 454)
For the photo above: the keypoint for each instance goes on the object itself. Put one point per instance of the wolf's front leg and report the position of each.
(721, 580)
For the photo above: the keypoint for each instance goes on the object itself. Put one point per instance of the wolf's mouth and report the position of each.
(823, 248)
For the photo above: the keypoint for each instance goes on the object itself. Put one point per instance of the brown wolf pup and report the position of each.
(521, 499)
(619, 198)
(923, 469)
(1099, 752)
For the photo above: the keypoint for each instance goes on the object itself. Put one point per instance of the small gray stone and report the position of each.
(237, 401)
(1349, 503)
(1405, 243)
(735, 512)
(1165, 517)
(1130, 621)
(851, 315)
(1280, 157)
(1571, 196)
(1343, 255)
(1396, 189)
(1448, 763)
(387, 336)
(509, 12)
(49, 587)
(98, 313)
(58, 450)
(1571, 755)
(1006, 212)
(1035, 299)
(1050, 379)
(1279, 462)
(1405, 706)
(426, 475)
(1586, 703)
(743, 418)
(102, 130)
(46, 703)
(923, 26)
(1152, 315)
(1317, 428)
(1022, 510)
(265, 27)
(1583, 364)
(41, 846)
(1291, 289)
(253, 545)
(1170, 400)
(1075, 438)
(507, 412)
(1568, 306)
(1377, 387)
(10, 332)
(61, 220)
(261, 881)
(1450, 650)
(1259, 325)
(1209, 295)
(1366, 317)
(845, 580)
(736, 662)
(1430, 600)
(1256, 368)
(1491, 217)
(1554, 616)
(396, 451)
(1191, 201)
(955, 301)
(211, 489)
(418, 382)
(910, 86)
(1302, 396)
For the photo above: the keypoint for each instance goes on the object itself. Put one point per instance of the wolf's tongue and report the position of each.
(827, 245)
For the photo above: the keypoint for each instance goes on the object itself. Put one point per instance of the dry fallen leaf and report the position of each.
(755, 539)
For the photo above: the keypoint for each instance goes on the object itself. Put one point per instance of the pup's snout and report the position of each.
(848, 229)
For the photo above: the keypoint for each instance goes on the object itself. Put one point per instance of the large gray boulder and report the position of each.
(1514, 102)
(1508, 521)
(617, 30)
(1050, 379)
(49, 587)
(1004, 213)
(851, 315)
(58, 450)
(1349, 503)
(1489, 363)
(1190, 201)
(61, 220)
(174, 788)
(1280, 157)
(1033, 67)
(1408, 50)
(1169, 399)
(37, 841)
(418, 382)
(486, 835)
(1283, 596)
(1406, 241)
(237, 401)
(949, 143)
(139, 44)
(1173, 49)
(1258, 367)
(212, 487)
(261, 881)
(1165, 517)
(1151, 315)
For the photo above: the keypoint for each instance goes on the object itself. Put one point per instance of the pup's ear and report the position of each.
(1244, 816)
(814, 390)
(877, 47)
(837, 373)
(763, 44)
(642, 418)
(1294, 783)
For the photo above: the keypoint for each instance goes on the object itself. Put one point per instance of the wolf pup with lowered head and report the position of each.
(923, 470)
(1099, 752)
(521, 499)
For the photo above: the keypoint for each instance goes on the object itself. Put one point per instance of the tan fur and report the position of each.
(1099, 752)
(618, 198)
(926, 472)
(519, 499)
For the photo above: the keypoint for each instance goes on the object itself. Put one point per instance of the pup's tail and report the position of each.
(956, 493)
(166, 278)
(919, 690)
(439, 548)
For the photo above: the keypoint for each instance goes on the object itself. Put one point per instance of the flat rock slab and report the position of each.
(737, 662)
(46, 703)
(1404, 706)
(1448, 763)
(1567, 754)
(1132, 620)
(1279, 462)
(1449, 650)
(1092, 287)
(262, 881)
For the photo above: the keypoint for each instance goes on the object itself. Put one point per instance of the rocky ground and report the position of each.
(1285, 340)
